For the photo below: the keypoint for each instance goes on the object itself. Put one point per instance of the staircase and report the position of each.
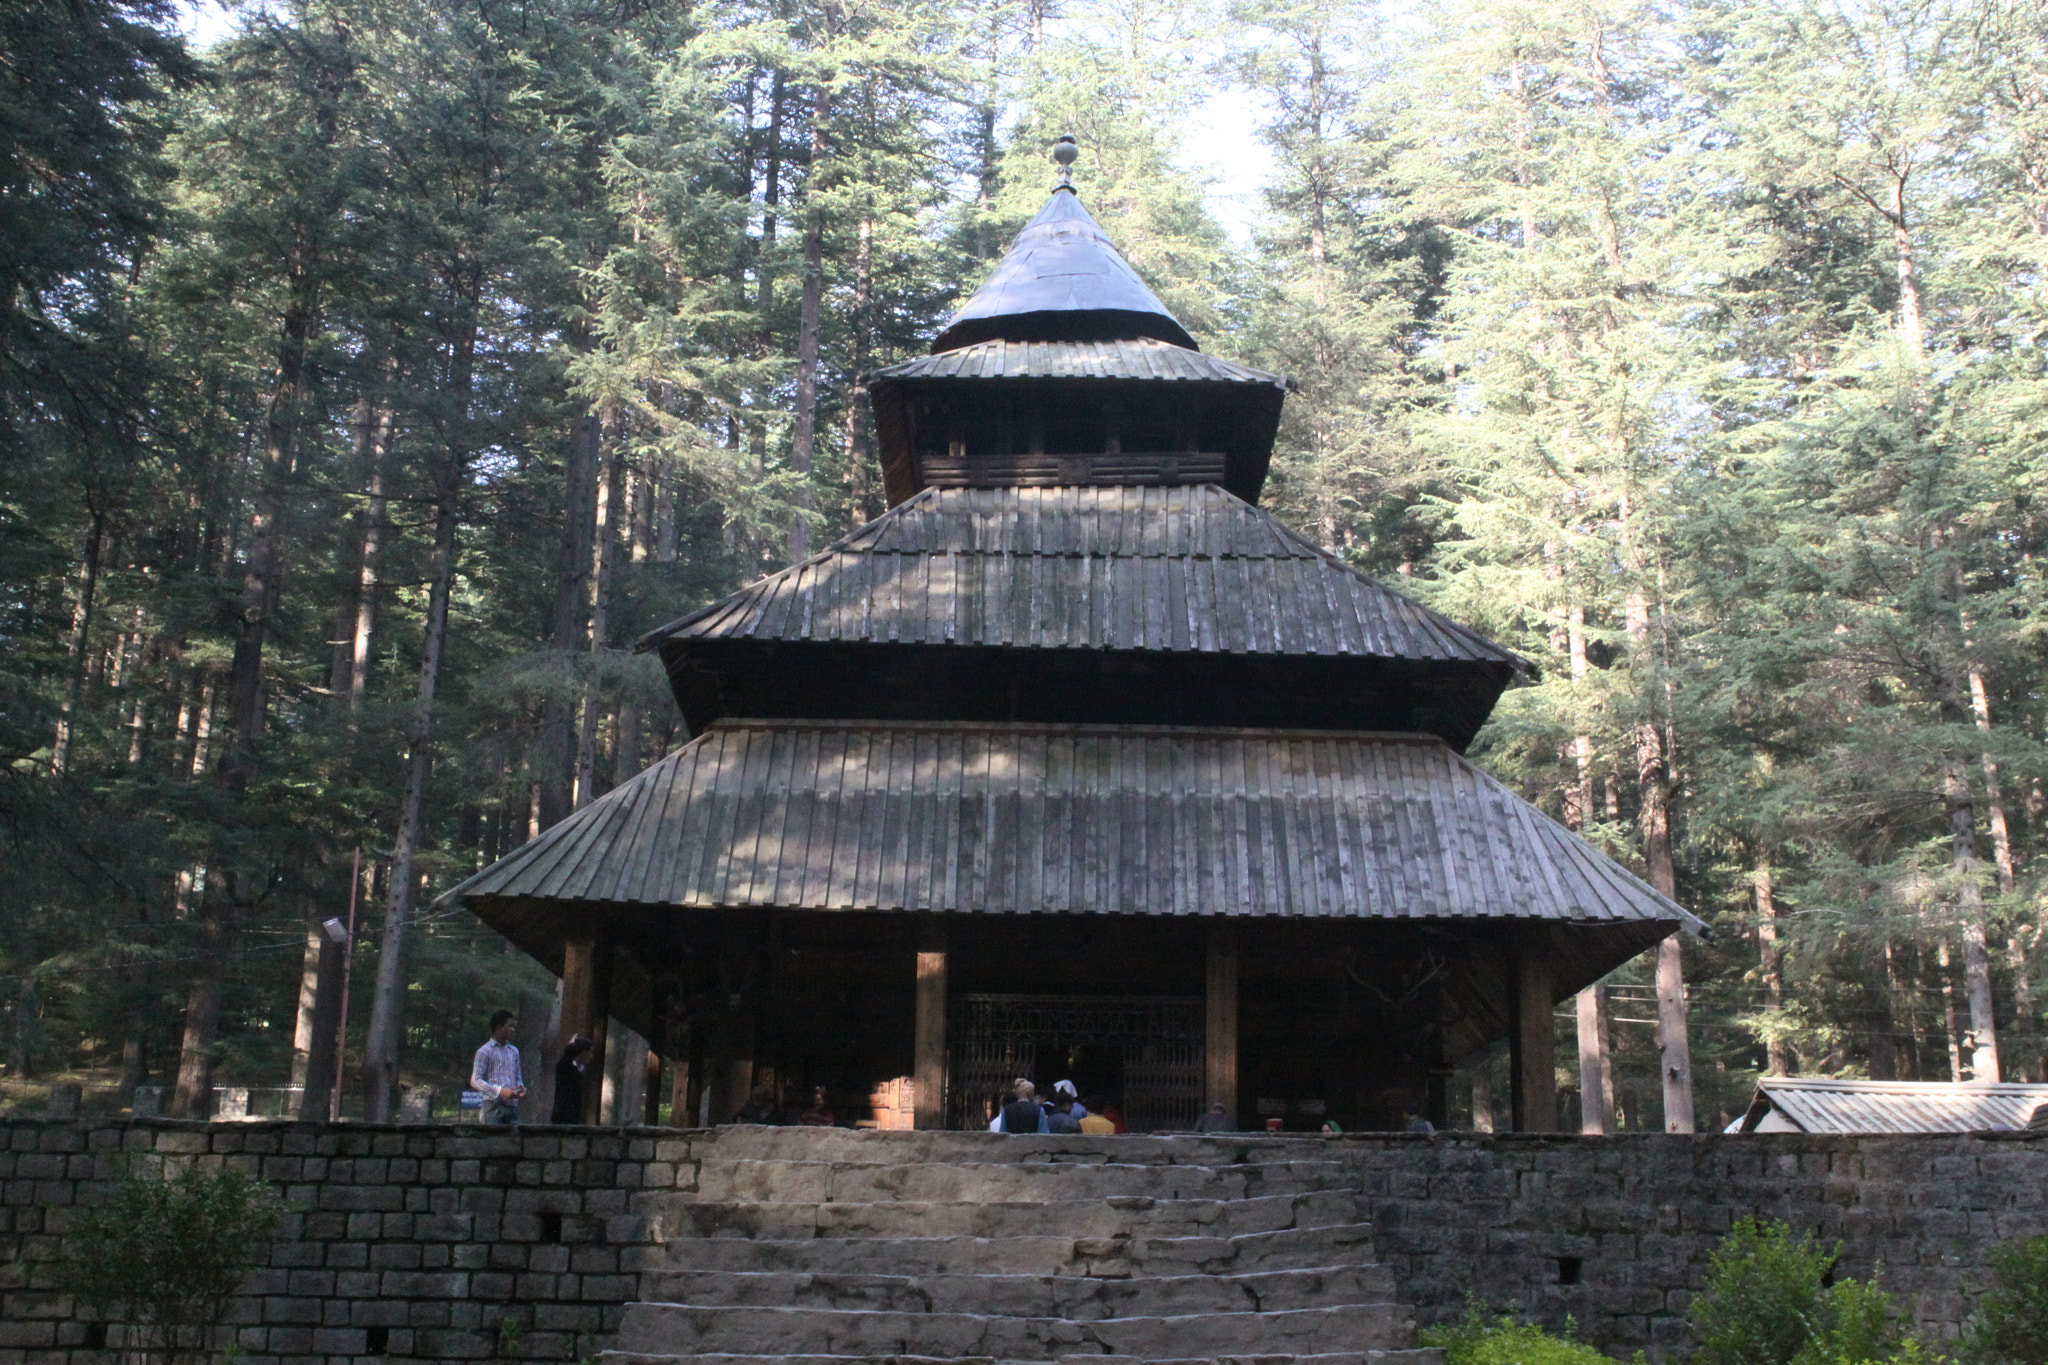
(825, 1247)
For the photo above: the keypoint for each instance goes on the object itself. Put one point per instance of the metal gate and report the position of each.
(992, 1039)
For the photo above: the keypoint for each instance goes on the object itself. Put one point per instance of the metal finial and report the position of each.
(1064, 152)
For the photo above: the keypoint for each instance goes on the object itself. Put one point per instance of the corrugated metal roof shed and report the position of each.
(1132, 358)
(1189, 569)
(1812, 1104)
(1037, 819)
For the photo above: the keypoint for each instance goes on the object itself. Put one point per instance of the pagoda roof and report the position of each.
(1015, 818)
(1062, 279)
(1189, 569)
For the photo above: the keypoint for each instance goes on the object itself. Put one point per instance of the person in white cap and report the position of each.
(1064, 1091)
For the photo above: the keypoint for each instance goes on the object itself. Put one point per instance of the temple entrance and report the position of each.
(1143, 1053)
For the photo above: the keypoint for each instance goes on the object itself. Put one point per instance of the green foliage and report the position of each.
(2012, 1319)
(1768, 1303)
(164, 1251)
(1484, 1340)
(1725, 408)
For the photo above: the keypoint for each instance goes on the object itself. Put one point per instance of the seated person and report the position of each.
(820, 1114)
(759, 1108)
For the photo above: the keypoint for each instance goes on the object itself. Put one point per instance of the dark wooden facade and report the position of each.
(1075, 763)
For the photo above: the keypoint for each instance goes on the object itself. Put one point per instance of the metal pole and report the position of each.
(348, 964)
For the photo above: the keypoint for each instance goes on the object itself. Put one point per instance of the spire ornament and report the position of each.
(1064, 152)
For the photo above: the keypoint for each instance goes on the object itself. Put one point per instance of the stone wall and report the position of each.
(438, 1242)
(1615, 1232)
(424, 1242)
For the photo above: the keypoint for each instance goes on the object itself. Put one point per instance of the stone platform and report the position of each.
(819, 1248)
(436, 1242)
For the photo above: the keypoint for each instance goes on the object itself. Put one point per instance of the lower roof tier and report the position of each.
(1088, 820)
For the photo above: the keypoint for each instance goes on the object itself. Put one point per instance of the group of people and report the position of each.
(498, 1075)
(763, 1107)
(1023, 1111)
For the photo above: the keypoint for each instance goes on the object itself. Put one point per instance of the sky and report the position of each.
(1221, 141)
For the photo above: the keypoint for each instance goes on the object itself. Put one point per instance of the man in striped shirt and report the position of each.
(496, 1074)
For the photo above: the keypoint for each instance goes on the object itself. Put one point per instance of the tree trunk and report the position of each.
(1654, 818)
(81, 633)
(264, 568)
(555, 752)
(804, 421)
(309, 999)
(1952, 1022)
(1582, 743)
(859, 474)
(1970, 908)
(1596, 1063)
(352, 669)
(387, 1001)
(1777, 1050)
(600, 580)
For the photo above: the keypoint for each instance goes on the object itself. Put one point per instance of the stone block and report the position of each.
(394, 1256)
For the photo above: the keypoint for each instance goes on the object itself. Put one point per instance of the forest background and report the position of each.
(370, 380)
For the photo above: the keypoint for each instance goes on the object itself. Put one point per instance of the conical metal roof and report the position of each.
(1062, 280)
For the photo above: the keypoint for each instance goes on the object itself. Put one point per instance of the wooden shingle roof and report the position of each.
(1049, 819)
(1133, 358)
(1187, 569)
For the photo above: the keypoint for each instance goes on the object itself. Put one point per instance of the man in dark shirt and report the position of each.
(1023, 1114)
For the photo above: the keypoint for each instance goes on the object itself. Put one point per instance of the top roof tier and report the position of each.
(1065, 370)
(1063, 280)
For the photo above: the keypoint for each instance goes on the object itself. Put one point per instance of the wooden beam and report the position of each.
(928, 1067)
(586, 1005)
(1534, 1044)
(1220, 1042)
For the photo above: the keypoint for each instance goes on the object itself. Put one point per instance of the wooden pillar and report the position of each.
(1220, 1041)
(1534, 1044)
(679, 1115)
(928, 1065)
(652, 1089)
(586, 1005)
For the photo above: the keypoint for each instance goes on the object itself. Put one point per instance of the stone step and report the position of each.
(1418, 1355)
(687, 1329)
(822, 1182)
(1412, 1355)
(1082, 1298)
(1042, 1254)
(688, 1216)
(748, 1141)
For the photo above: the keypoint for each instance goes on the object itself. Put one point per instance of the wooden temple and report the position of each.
(1075, 764)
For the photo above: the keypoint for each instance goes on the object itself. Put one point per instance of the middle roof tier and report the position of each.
(1082, 604)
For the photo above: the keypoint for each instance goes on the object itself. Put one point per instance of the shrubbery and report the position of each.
(1768, 1302)
(163, 1254)
(1483, 1340)
(2012, 1323)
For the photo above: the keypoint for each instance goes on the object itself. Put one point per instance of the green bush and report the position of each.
(163, 1254)
(1480, 1340)
(1768, 1303)
(2012, 1323)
